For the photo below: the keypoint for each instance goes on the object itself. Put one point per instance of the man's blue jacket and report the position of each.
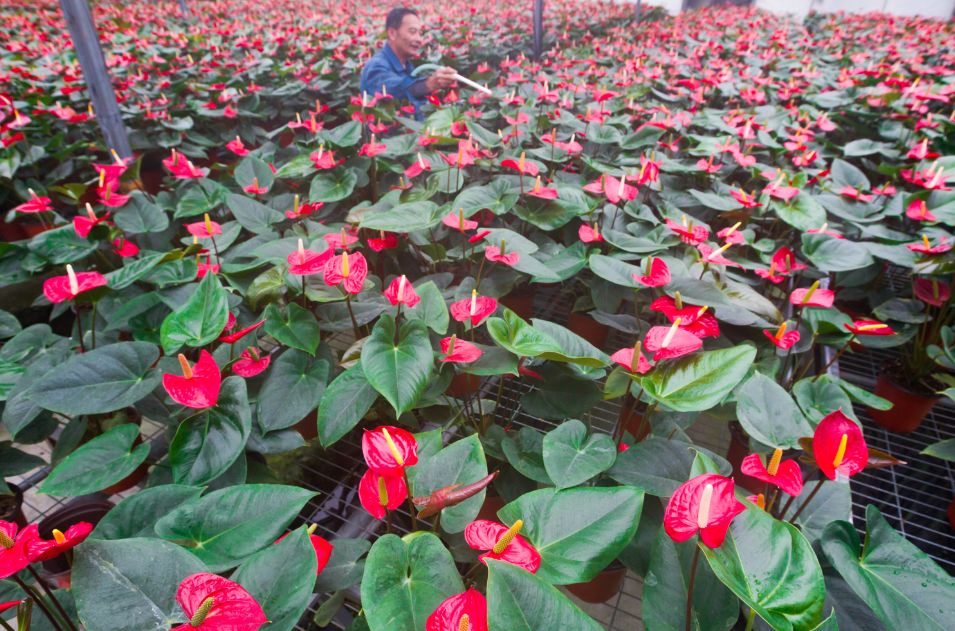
(384, 69)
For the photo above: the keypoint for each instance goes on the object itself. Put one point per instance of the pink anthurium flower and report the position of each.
(839, 447)
(251, 362)
(931, 291)
(84, 224)
(668, 342)
(40, 550)
(62, 288)
(36, 204)
(732, 234)
(389, 449)
(777, 190)
(205, 228)
(457, 221)
(625, 356)
(401, 292)
(496, 253)
(746, 200)
(236, 147)
(373, 148)
(784, 474)
(475, 308)
(502, 543)
(711, 256)
(613, 189)
(323, 158)
(304, 262)
(658, 274)
(198, 387)
(213, 603)
(812, 296)
(918, 211)
(124, 247)
(781, 337)
(590, 234)
(697, 320)
(458, 351)
(323, 548)
(16, 546)
(255, 189)
(386, 241)
(206, 268)
(689, 233)
(925, 246)
(379, 493)
(347, 270)
(521, 165)
(782, 264)
(419, 166)
(467, 611)
(542, 192)
(869, 327)
(705, 504)
(824, 229)
(182, 168)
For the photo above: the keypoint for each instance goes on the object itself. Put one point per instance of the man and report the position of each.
(391, 66)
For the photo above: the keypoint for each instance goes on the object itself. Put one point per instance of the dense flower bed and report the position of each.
(724, 190)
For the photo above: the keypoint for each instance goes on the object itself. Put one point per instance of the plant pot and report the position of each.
(88, 508)
(588, 328)
(602, 587)
(132, 479)
(463, 385)
(739, 449)
(908, 409)
(308, 426)
(11, 506)
(521, 301)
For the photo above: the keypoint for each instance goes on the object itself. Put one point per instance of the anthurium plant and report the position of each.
(289, 268)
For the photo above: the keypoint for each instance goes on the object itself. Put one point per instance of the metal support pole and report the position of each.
(538, 28)
(183, 7)
(80, 22)
(639, 10)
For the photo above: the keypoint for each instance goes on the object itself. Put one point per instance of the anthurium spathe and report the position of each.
(347, 270)
(36, 204)
(784, 474)
(931, 291)
(658, 273)
(205, 228)
(918, 210)
(781, 337)
(63, 288)
(705, 504)
(925, 246)
(198, 386)
(868, 327)
(305, 262)
(782, 264)
(498, 254)
(379, 493)
(689, 233)
(323, 548)
(40, 550)
(669, 342)
(590, 233)
(389, 449)
(475, 308)
(458, 351)
(625, 357)
(839, 447)
(812, 296)
(213, 603)
(539, 190)
(521, 165)
(502, 543)
(84, 224)
(698, 320)
(401, 292)
(467, 611)
(251, 362)
(16, 546)
(181, 168)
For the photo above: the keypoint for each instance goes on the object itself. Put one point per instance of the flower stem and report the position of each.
(52, 597)
(79, 327)
(835, 358)
(39, 601)
(750, 619)
(93, 325)
(351, 314)
(815, 490)
(411, 508)
(688, 626)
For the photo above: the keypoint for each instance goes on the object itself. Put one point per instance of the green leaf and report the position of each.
(772, 568)
(61, 245)
(769, 414)
(577, 532)
(136, 516)
(405, 580)
(200, 320)
(700, 381)
(251, 169)
(845, 174)
(346, 401)
(292, 389)
(9, 325)
(225, 527)
(818, 398)
(614, 270)
(571, 457)
(899, 582)
(207, 443)
(461, 462)
(108, 378)
(132, 271)
(100, 463)
(498, 196)
(802, 213)
(141, 216)
(665, 590)
(432, 309)
(525, 452)
(251, 215)
(658, 466)
(410, 217)
(519, 337)
(345, 567)
(296, 327)
(832, 503)
(281, 578)
(944, 449)
(574, 349)
(130, 585)
(835, 255)
(345, 135)
(714, 201)
(400, 370)
(520, 601)
(332, 186)
(204, 198)
(15, 462)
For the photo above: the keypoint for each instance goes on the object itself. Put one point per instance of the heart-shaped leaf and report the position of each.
(571, 457)
(253, 216)
(200, 320)
(296, 327)
(346, 401)
(292, 389)
(769, 414)
(332, 186)
(658, 466)
(432, 309)
(136, 516)
(100, 463)
(699, 382)
(398, 370)
(345, 567)
(460, 463)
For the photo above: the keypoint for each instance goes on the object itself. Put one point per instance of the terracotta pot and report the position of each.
(31, 228)
(492, 503)
(89, 508)
(308, 426)
(464, 385)
(11, 506)
(521, 301)
(602, 587)
(10, 232)
(908, 408)
(739, 449)
(588, 328)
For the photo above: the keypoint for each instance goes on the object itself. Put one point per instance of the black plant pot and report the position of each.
(88, 508)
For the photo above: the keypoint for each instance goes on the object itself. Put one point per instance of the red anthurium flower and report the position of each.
(785, 474)
(918, 211)
(401, 292)
(68, 287)
(540, 191)
(670, 342)
(658, 275)
(124, 247)
(236, 147)
(389, 449)
(205, 228)
(459, 351)
(347, 270)
(496, 254)
(198, 387)
(732, 234)
(920, 151)
(255, 189)
(378, 493)
(232, 338)
(213, 603)
(302, 210)
(869, 327)
(475, 308)
(206, 268)
(689, 233)
(781, 337)
(931, 291)
(419, 166)
(824, 229)
(251, 362)
(478, 236)
(712, 256)
(303, 262)
(84, 224)
(522, 166)
(853, 193)
(707, 165)
(775, 189)
(372, 149)
(35, 204)
(182, 168)
(341, 240)
(387, 241)
(323, 159)
(812, 296)
(625, 356)
(699, 321)
(457, 221)
(15, 547)
(10, 604)
(111, 199)
(747, 200)
(925, 246)
(704, 504)
(39, 550)
(467, 610)
(323, 548)
(502, 543)
(838, 446)
(590, 234)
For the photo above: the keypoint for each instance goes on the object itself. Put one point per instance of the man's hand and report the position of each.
(441, 79)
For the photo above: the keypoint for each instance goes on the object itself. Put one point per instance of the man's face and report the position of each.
(408, 39)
